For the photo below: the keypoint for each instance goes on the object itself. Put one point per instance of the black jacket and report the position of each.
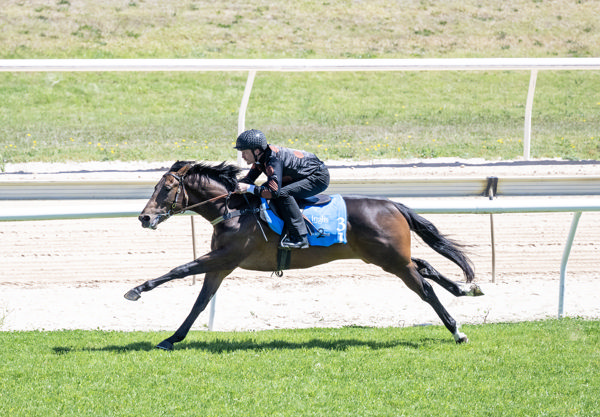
(282, 166)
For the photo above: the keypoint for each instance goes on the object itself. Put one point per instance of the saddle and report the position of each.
(315, 200)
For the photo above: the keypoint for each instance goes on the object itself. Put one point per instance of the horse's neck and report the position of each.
(207, 208)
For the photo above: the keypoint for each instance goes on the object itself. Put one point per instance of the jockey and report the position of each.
(290, 174)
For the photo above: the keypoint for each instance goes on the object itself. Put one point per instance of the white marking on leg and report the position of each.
(460, 337)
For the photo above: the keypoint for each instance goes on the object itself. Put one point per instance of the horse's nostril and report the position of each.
(144, 218)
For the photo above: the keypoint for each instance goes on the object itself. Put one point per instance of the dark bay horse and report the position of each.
(378, 232)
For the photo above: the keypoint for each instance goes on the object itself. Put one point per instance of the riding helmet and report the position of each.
(251, 139)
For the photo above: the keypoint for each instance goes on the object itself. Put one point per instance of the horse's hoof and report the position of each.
(460, 338)
(471, 290)
(476, 290)
(133, 295)
(165, 345)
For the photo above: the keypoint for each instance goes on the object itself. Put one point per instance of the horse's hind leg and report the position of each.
(458, 290)
(417, 283)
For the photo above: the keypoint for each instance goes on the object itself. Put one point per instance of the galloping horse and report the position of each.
(378, 232)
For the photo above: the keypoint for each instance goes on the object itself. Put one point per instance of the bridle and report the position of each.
(181, 186)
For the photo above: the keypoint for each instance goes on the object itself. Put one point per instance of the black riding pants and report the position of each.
(286, 203)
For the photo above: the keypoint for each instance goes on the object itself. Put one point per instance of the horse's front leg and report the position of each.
(217, 260)
(211, 284)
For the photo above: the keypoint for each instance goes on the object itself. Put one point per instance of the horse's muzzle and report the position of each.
(149, 222)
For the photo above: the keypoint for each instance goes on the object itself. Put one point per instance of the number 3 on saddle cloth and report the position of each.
(325, 218)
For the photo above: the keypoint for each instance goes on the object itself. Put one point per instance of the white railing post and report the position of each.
(241, 128)
(243, 107)
(563, 263)
(528, 109)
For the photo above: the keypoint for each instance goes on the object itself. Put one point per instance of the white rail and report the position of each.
(15, 210)
(296, 65)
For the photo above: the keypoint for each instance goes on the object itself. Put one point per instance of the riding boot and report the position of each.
(296, 237)
(294, 242)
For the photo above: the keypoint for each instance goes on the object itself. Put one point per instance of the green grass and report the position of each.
(61, 117)
(536, 368)
(299, 29)
(166, 116)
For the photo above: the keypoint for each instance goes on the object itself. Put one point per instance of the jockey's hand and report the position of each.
(241, 188)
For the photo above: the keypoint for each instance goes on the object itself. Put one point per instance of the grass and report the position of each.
(61, 117)
(536, 368)
(166, 116)
(301, 29)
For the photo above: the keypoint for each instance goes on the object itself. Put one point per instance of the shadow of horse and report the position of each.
(218, 345)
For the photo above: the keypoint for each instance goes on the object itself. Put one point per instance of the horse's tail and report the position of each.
(437, 241)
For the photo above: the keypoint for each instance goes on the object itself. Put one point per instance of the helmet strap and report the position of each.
(256, 157)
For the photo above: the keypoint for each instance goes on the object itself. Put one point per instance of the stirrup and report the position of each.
(296, 242)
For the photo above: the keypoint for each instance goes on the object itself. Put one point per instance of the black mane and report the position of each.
(224, 173)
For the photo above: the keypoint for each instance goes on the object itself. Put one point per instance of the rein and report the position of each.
(184, 209)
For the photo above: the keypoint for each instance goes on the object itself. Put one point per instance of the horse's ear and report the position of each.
(184, 169)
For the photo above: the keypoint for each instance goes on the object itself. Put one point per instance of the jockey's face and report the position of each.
(250, 155)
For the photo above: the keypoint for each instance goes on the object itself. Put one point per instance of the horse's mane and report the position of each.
(224, 173)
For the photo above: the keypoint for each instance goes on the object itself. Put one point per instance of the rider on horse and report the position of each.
(290, 174)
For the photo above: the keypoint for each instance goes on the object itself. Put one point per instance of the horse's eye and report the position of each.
(169, 185)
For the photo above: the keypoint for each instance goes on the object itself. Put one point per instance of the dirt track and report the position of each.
(72, 273)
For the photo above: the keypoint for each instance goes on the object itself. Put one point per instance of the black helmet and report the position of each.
(251, 139)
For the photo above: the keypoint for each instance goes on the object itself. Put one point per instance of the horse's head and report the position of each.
(186, 185)
(168, 197)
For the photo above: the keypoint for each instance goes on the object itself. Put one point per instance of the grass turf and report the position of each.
(532, 368)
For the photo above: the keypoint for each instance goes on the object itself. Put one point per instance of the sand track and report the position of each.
(72, 274)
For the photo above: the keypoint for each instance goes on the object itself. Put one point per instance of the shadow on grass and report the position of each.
(220, 346)
(137, 347)
(223, 345)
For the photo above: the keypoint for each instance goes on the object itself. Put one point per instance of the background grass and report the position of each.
(167, 116)
(300, 29)
(538, 368)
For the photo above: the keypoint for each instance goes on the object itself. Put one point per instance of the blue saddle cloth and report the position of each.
(326, 223)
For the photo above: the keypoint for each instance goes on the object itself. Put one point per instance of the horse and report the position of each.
(378, 232)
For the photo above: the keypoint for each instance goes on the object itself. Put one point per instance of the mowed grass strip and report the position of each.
(532, 368)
